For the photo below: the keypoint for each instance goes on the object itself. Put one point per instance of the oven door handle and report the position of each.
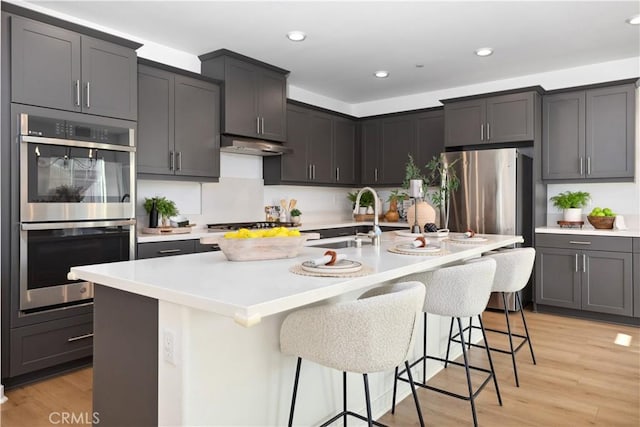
(76, 143)
(58, 225)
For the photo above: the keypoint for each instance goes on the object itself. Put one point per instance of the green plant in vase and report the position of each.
(366, 199)
(571, 204)
(166, 208)
(442, 175)
(295, 215)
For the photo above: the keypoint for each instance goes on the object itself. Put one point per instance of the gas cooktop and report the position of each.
(231, 226)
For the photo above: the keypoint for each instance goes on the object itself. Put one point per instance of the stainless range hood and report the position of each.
(255, 147)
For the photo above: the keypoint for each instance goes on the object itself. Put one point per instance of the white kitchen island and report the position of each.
(194, 339)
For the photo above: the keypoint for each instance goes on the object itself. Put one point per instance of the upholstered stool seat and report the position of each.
(457, 292)
(371, 334)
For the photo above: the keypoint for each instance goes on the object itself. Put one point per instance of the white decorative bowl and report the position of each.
(261, 248)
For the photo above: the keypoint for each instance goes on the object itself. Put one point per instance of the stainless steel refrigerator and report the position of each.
(495, 196)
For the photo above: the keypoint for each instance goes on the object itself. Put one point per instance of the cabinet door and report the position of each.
(295, 166)
(155, 120)
(557, 277)
(606, 282)
(272, 106)
(636, 284)
(320, 146)
(510, 118)
(429, 136)
(241, 99)
(344, 143)
(370, 148)
(109, 75)
(398, 141)
(197, 127)
(610, 138)
(45, 65)
(464, 123)
(563, 136)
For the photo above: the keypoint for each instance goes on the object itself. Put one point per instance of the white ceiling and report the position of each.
(348, 41)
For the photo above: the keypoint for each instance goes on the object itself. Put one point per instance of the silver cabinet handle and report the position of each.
(88, 94)
(169, 251)
(262, 125)
(80, 337)
(482, 132)
(172, 160)
(584, 263)
(313, 170)
(375, 175)
(309, 170)
(77, 86)
(576, 263)
(258, 125)
(581, 161)
(578, 242)
(488, 132)
(179, 160)
(589, 165)
(337, 174)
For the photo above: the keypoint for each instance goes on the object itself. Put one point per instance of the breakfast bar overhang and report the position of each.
(194, 339)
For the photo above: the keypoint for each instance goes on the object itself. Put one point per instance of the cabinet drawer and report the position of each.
(158, 249)
(584, 242)
(47, 344)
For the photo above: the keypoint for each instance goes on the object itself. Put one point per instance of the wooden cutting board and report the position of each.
(166, 230)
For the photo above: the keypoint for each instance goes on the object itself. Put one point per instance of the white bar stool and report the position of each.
(371, 334)
(458, 291)
(513, 270)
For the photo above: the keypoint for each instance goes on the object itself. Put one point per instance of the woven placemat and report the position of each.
(401, 252)
(466, 242)
(297, 269)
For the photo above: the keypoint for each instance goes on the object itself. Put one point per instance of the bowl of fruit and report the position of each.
(257, 245)
(602, 218)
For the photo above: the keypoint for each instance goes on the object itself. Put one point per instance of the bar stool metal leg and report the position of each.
(526, 330)
(424, 349)
(368, 399)
(413, 391)
(470, 328)
(493, 371)
(295, 391)
(395, 389)
(513, 353)
(466, 368)
(344, 397)
(446, 362)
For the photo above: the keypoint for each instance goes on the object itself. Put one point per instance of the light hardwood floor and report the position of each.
(582, 378)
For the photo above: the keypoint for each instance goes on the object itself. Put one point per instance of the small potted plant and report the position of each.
(166, 208)
(392, 214)
(366, 201)
(571, 203)
(295, 215)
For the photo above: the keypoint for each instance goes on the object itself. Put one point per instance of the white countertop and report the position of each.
(198, 233)
(248, 291)
(590, 231)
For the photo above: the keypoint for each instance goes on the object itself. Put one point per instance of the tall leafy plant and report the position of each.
(442, 175)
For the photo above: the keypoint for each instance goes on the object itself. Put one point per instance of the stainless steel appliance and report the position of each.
(495, 196)
(76, 201)
(73, 171)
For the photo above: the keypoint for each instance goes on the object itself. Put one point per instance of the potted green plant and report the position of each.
(166, 208)
(295, 215)
(396, 196)
(442, 175)
(571, 204)
(366, 200)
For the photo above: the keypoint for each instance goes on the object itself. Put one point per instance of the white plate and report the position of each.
(437, 234)
(407, 247)
(407, 234)
(342, 266)
(469, 239)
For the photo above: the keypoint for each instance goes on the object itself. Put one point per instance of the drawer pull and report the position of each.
(576, 263)
(169, 251)
(577, 242)
(80, 337)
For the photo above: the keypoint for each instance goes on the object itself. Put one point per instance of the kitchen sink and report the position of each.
(351, 243)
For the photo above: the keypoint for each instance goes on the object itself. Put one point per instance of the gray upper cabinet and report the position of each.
(178, 126)
(398, 141)
(255, 100)
(344, 145)
(496, 119)
(57, 68)
(589, 134)
(294, 166)
(320, 148)
(429, 136)
(371, 151)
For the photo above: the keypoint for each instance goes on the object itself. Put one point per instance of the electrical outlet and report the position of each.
(169, 346)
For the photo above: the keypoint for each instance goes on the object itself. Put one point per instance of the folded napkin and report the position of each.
(327, 258)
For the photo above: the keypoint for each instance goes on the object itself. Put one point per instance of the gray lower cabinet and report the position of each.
(589, 134)
(57, 68)
(636, 277)
(178, 126)
(51, 343)
(166, 248)
(490, 120)
(585, 272)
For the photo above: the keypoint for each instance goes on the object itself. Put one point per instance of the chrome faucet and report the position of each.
(374, 234)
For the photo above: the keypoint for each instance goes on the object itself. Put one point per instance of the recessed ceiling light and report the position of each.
(634, 20)
(484, 51)
(419, 65)
(296, 36)
(382, 74)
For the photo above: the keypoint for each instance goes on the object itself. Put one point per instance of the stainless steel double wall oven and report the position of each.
(76, 201)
